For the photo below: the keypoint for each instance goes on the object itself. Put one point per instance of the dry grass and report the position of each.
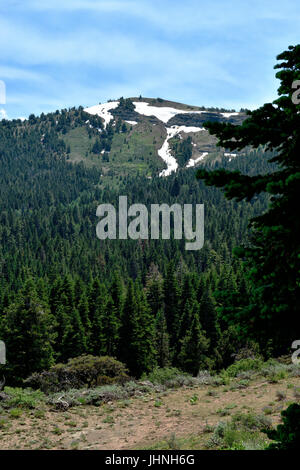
(181, 415)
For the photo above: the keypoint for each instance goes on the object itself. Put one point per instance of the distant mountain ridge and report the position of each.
(175, 119)
(138, 135)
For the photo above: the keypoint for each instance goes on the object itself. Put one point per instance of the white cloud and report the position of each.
(18, 73)
(3, 114)
(155, 59)
(176, 15)
(72, 5)
(193, 51)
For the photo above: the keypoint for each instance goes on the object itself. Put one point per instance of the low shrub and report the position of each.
(15, 413)
(295, 370)
(23, 398)
(272, 369)
(275, 371)
(251, 421)
(236, 439)
(205, 378)
(216, 440)
(99, 395)
(246, 375)
(280, 395)
(296, 392)
(84, 371)
(163, 375)
(95, 396)
(181, 381)
(137, 388)
(243, 432)
(244, 365)
(250, 351)
(171, 377)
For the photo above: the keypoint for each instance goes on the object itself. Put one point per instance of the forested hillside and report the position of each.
(64, 293)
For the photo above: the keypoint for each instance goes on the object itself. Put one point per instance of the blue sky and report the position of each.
(62, 53)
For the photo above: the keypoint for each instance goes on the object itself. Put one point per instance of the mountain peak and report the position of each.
(176, 119)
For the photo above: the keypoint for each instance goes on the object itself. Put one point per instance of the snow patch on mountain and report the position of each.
(165, 152)
(227, 115)
(102, 110)
(192, 162)
(189, 129)
(133, 123)
(163, 113)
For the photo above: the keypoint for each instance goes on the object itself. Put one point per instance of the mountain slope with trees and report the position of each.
(64, 293)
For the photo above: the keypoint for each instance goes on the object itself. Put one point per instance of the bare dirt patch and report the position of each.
(142, 421)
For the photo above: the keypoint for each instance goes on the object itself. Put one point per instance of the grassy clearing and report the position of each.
(81, 146)
(132, 152)
(164, 410)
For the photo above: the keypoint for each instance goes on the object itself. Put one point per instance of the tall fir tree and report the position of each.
(194, 346)
(162, 345)
(137, 332)
(171, 300)
(109, 329)
(209, 320)
(128, 328)
(272, 259)
(28, 331)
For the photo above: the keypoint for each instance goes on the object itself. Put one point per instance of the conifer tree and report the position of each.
(272, 260)
(68, 293)
(128, 329)
(63, 329)
(194, 346)
(188, 291)
(155, 296)
(190, 308)
(93, 294)
(109, 330)
(162, 340)
(55, 294)
(171, 299)
(209, 321)
(71, 336)
(27, 329)
(83, 309)
(99, 307)
(145, 335)
(137, 333)
(200, 288)
(78, 340)
(116, 292)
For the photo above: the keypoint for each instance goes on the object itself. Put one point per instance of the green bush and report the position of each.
(98, 395)
(163, 375)
(243, 432)
(244, 365)
(251, 421)
(84, 371)
(94, 396)
(235, 439)
(23, 398)
(286, 435)
(15, 413)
